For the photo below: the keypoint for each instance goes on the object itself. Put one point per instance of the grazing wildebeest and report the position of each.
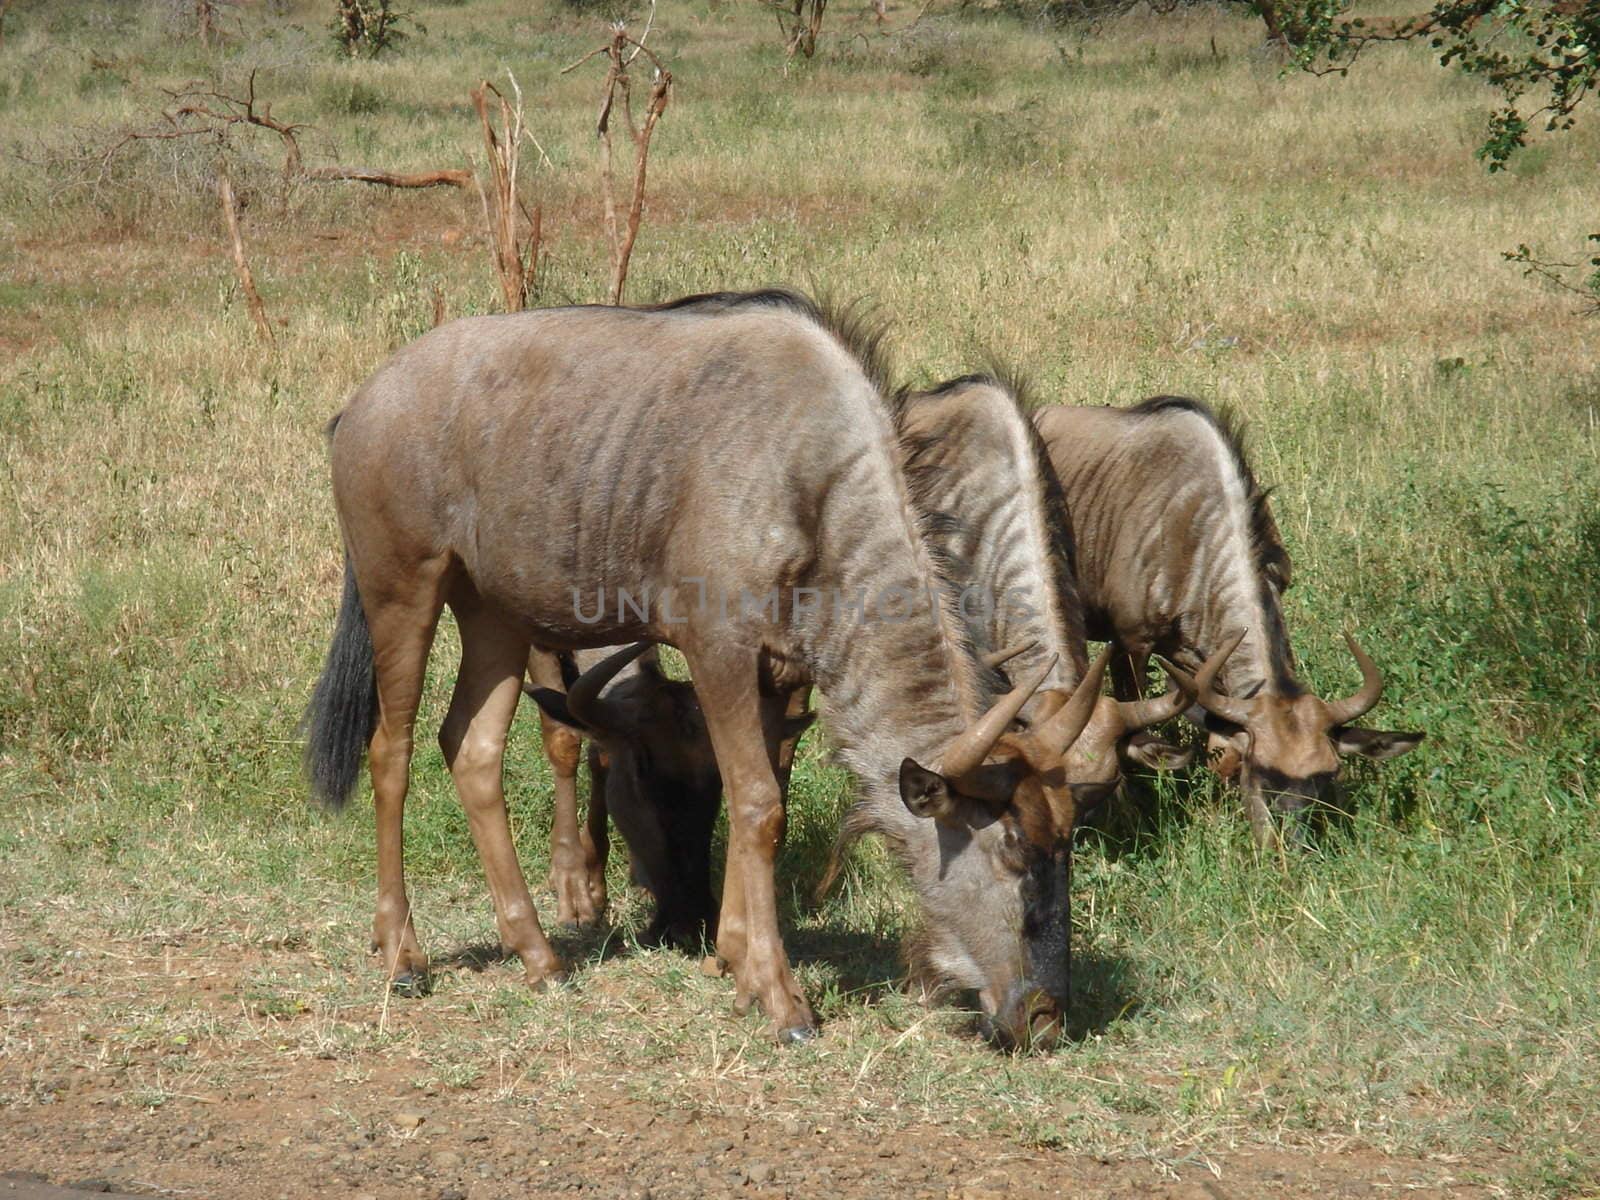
(981, 461)
(1177, 553)
(719, 474)
(651, 769)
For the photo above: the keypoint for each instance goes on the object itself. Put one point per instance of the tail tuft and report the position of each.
(343, 711)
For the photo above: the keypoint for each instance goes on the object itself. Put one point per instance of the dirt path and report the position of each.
(288, 1144)
(361, 1127)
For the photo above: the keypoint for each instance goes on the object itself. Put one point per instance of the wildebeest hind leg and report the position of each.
(402, 633)
(473, 738)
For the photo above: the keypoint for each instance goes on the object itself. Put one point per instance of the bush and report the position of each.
(366, 28)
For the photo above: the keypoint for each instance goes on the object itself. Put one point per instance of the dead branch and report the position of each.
(202, 111)
(237, 111)
(1560, 274)
(458, 178)
(241, 265)
(516, 261)
(617, 80)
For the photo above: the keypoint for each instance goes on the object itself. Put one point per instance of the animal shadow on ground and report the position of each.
(580, 948)
(1103, 993)
(868, 966)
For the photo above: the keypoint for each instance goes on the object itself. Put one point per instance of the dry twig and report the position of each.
(202, 111)
(193, 102)
(800, 22)
(516, 262)
(455, 177)
(247, 283)
(618, 60)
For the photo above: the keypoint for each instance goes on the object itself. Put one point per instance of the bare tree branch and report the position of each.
(620, 238)
(455, 177)
(516, 262)
(241, 265)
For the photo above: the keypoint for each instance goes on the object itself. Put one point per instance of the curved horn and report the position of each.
(996, 658)
(1353, 706)
(1058, 733)
(1206, 695)
(1137, 714)
(583, 697)
(967, 751)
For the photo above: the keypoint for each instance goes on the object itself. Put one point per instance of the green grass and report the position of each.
(1121, 214)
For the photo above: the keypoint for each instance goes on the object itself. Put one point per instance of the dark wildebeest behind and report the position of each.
(651, 769)
(577, 477)
(1177, 553)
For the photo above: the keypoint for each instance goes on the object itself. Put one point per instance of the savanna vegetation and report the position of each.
(1153, 205)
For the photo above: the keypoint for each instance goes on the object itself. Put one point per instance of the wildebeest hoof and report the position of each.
(796, 1035)
(412, 985)
(543, 983)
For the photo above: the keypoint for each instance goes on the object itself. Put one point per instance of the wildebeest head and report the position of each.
(1094, 760)
(1286, 748)
(1002, 805)
(662, 786)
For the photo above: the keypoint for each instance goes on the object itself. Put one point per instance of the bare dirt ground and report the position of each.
(310, 1126)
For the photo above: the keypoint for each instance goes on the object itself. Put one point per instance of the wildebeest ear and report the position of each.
(553, 704)
(1157, 755)
(926, 793)
(1375, 743)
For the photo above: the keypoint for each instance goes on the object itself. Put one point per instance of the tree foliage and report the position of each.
(1542, 56)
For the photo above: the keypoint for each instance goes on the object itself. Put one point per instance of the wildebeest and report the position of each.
(719, 474)
(651, 770)
(985, 464)
(1177, 553)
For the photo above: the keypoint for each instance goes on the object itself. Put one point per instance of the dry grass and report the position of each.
(1122, 215)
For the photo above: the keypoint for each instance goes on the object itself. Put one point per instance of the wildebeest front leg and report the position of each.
(577, 862)
(473, 738)
(747, 933)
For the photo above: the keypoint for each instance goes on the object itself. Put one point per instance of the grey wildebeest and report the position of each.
(980, 460)
(719, 474)
(1177, 553)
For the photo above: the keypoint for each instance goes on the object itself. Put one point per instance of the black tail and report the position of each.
(344, 709)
